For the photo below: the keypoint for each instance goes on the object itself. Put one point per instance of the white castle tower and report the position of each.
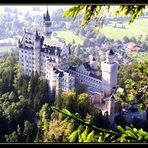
(37, 46)
(109, 73)
(47, 24)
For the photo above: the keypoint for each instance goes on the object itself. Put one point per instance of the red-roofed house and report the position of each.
(132, 46)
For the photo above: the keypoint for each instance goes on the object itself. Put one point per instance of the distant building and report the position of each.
(132, 46)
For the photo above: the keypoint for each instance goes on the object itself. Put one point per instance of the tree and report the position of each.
(126, 39)
(75, 61)
(87, 132)
(13, 137)
(12, 96)
(28, 132)
(81, 89)
(69, 100)
(134, 79)
(83, 103)
(99, 12)
(42, 122)
(58, 131)
(134, 39)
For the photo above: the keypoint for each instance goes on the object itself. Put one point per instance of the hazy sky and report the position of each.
(25, 8)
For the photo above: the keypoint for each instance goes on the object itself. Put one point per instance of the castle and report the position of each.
(50, 58)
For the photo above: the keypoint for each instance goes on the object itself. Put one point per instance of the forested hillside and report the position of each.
(29, 114)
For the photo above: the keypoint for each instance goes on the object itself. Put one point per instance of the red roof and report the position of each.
(132, 46)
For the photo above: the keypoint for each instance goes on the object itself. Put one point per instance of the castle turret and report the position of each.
(37, 46)
(110, 55)
(93, 65)
(109, 72)
(47, 24)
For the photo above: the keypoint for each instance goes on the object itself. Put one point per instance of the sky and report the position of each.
(25, 8)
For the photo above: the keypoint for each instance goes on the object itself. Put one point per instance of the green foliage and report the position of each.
(55, 130)
(89, 133)
(132, 10)
(81, 89)
(100, 11)
(21, 98)
(83, 103)
(89, 12)
(28, 131)
(134, 78)
(24, 103)
(66, 100)
(13, 137)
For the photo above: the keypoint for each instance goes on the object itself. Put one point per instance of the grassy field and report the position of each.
(138, 27)
(133, 30)
(68, 36)
(116, 33)
(138, 56)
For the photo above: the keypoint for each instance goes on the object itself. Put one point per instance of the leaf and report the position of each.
(84, 134)
(142, 133)
(90, 137)
(100, 139)
(128, 128)
(146, 137)
(120, 129)
(73, 136)
(130, 134)
(122, 138)
(135, 130)
(67, 112)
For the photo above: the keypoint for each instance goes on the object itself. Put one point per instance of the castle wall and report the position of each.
(87, 80)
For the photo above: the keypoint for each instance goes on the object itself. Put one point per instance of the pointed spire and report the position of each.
(47, 16)
(37, 35)
(47, 13)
